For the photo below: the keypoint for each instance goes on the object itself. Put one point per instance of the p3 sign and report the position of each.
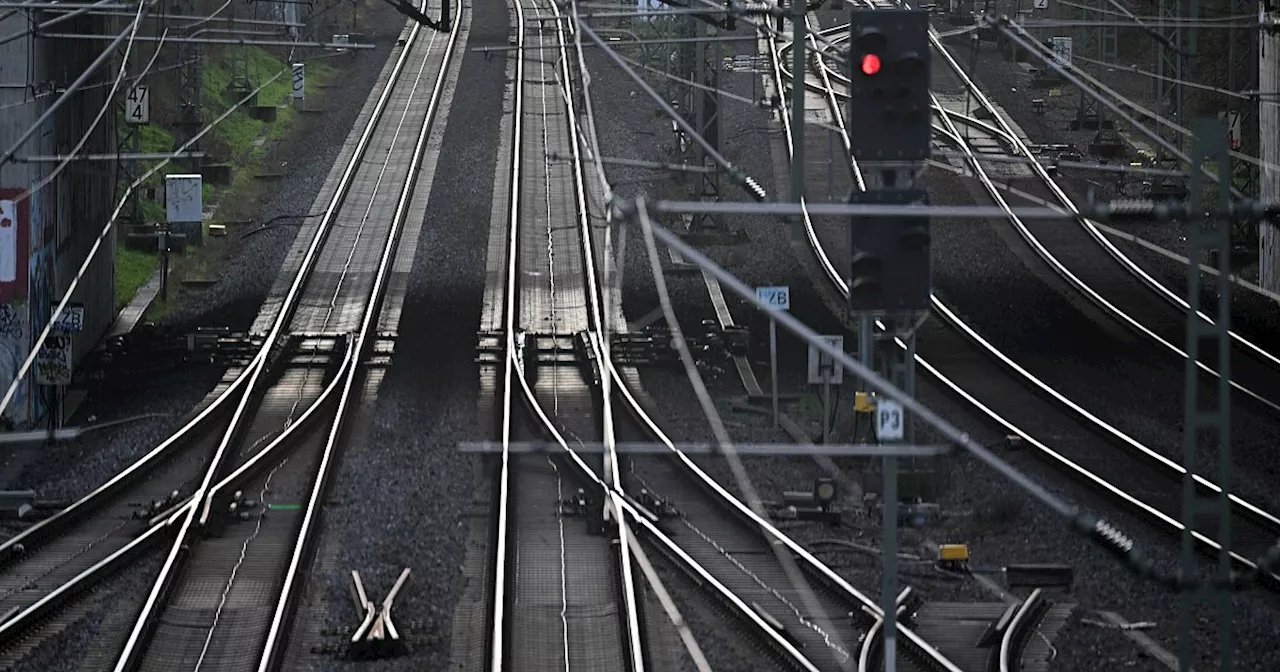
(889, 420)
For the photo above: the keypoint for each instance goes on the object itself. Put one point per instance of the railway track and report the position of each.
(554, 586)
(224, 597)
(1078, 428)
(564, 594)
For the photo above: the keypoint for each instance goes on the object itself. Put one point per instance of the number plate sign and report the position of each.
(776, 298)
(889, 420)
(137, 105)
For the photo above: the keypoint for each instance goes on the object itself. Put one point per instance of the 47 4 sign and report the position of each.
(137, 105)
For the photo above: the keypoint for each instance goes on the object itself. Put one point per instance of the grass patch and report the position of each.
(235, 140)
(133, 270)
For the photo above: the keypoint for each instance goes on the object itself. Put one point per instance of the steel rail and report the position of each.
(634, 644)
(252, 464)
(497, 630)
(1141, 450)
(600, 343)
(86, 504)
(1091, 226)
(767, 527)
(1022, 626)
(1058, 458)
(272, 648)
(12, 627)
(1008, 136)
(1245, 508)
(179, 551)
(99, 569)
(621, 506)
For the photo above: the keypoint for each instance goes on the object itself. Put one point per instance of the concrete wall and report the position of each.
(1269, 152)
(60, 221)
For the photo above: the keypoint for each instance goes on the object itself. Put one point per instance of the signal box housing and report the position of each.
(889, 105)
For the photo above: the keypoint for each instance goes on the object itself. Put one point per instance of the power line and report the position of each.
(144, 5)
(96, 120)
(102, 235)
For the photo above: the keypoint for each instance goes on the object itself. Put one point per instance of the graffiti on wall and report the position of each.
(12, 324)
(15, 332)
(53, 365)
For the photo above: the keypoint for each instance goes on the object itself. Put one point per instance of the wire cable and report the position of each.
(129, 31)
(27, 363)
(71, 156)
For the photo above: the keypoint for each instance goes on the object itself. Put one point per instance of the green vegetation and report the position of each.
(240, 140)
(133, 270)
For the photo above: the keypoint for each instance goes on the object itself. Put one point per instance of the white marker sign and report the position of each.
(1062, 50)
(776, 298)
(889, 420)
(137, 105)
(1041, 4)
(184, 198)
(823, 367)
(299, 80)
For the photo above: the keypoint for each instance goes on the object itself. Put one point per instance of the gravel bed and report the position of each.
(401, 494)
(244, 278)
(1003, 525)
(84, 646)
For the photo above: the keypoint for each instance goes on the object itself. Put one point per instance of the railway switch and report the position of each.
(658, 506)
(816, 504)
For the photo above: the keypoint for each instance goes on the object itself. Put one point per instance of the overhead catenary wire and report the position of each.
(71, 156)
(33, 28)
(71, 89)
(1019, 35)
(27, 363)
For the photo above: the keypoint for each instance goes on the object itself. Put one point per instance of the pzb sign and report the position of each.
(776, 298)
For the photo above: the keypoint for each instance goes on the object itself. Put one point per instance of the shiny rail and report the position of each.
(1253, 513)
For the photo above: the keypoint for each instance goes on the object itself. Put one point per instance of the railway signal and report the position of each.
(889, 103)
(890, 271)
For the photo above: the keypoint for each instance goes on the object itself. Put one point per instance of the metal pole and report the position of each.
(773, 366)
(798, 8)
(164, 263)
(74, 86)
(831, 152)
(826, 406)
(889, 549)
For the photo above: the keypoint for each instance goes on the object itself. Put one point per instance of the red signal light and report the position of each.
(870, 64)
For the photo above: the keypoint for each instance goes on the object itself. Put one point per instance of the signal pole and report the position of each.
(889, 270)
(798, 25)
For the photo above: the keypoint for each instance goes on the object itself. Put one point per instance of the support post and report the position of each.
(1172, 63)
(164, 262)
(826, 407)
(798, 8)
(773, 366)
(1213, 418)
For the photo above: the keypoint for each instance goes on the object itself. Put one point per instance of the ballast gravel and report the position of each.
(1001, 523)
